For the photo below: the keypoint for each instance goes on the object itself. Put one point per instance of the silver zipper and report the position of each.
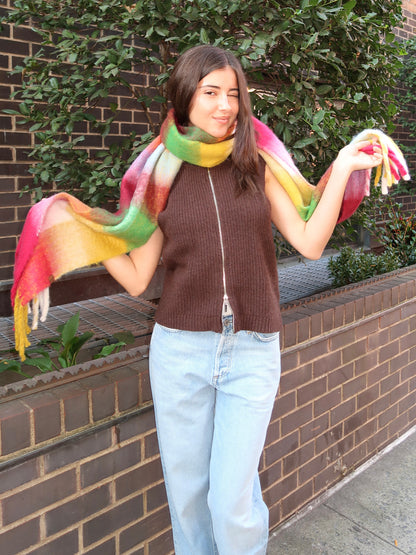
(226, 306)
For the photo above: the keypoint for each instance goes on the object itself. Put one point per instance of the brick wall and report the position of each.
(16, 141)
(408, 31)
(79, 463)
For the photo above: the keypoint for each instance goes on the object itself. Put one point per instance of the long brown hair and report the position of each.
(193, 66)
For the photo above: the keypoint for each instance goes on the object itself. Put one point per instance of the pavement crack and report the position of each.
(361, 527)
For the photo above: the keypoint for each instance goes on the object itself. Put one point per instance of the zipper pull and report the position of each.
(226, 307)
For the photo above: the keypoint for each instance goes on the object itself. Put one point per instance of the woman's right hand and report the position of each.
(135, 270)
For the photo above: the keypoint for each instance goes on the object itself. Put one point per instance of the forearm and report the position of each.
(123, 270)
(311, 237)
(319, 228)
(134, 271)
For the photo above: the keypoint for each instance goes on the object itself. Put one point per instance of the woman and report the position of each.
(214, 355)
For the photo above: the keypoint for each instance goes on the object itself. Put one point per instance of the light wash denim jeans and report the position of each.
(213, 395)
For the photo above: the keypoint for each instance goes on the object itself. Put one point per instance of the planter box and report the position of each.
(79, 463)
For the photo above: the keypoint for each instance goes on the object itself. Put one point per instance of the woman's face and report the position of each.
(214, 105)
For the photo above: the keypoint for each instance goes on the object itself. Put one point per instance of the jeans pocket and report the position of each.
(265, 337)
(168, 330)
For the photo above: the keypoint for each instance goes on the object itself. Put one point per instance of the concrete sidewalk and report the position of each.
(372, 512)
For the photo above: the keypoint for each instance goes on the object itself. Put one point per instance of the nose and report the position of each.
(223, 102)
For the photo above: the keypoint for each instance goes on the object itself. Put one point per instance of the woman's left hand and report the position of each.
(353, 157)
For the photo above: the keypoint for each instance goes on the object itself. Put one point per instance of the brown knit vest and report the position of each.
(193, 288)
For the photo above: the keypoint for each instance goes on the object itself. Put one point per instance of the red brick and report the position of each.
(329, 438)
(340, 375)
(398, 425)
(271, 474)
(39, 496)
(75, 402)
(368, 396)
(156, 497)
(296, 419)
(282, 447)
(284, 403)
(110, 464)
(376, 442)
(68, 543)
(342, 411)
(326, 364)
(399, 392)
(390, 318)
(297, 458)
(20, 538)
(290, 360)
(296, 378)
(312, 468)
(147, 527)
(387, 416)
(377, 374)
(389, 351)
(312, 352)
(365, 363)
(407, 342)
(71, 452)
(102, 395)
(399, 362)
(366, 328)
(407, 402)
(353, 387)
(137, 425)
(19, 474)
(366, 431)
(161, 544)
(139, 479)
(325, 479)
(354, 351)
(378, 340)
(314, 428)
(106, 548)
(281, 489)
(127, 385)
(297, 499)
(151, 447)
(15, 427)
(111, 520)
(399, 330)
(354, 421)
(311, 391)
(355, 457)
(46, 413)
(327, 402)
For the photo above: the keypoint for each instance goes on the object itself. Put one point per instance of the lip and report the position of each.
(222, 120)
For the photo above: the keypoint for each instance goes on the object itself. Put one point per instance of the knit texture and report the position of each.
(61, 233)
(193, 286)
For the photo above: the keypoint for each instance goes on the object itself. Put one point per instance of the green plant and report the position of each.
(319, 71)
(352, 266)
(62, 351)
(398, 232)
(406, 99)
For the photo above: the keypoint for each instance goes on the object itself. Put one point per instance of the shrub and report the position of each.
(352, 266)
(398, 233)
(319, 72)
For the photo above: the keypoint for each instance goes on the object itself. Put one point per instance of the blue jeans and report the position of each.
(213, 396)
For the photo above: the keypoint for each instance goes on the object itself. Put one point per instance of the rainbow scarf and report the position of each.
(62, 234)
